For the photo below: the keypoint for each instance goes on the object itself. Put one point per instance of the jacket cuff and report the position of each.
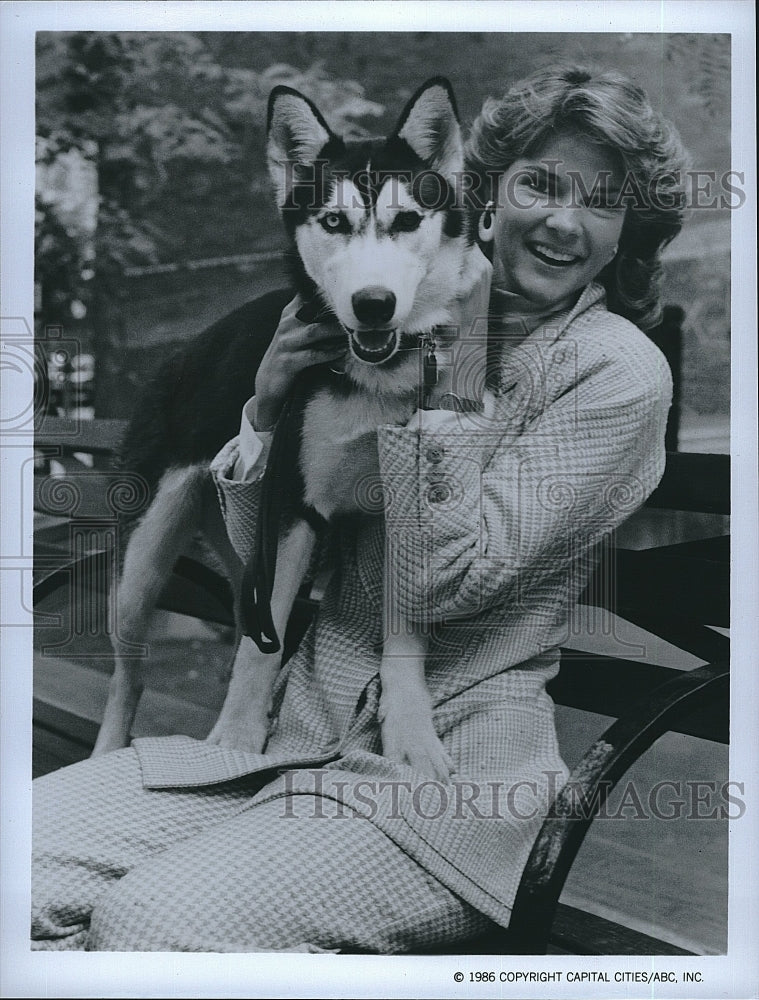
(239, 501)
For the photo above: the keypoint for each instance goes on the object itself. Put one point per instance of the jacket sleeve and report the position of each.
(236, 472)
(484, 515)
(238, 498)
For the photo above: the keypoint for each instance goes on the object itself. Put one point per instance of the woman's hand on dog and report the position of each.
(295, 346)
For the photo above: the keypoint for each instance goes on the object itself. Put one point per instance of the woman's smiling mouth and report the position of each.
(556, 258)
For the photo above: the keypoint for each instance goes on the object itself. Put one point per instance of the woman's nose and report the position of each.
(564, 219)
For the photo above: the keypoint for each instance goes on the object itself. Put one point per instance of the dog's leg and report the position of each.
(156, 542)
(405, 710)
(244, 719)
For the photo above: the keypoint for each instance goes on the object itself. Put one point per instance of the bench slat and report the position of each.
(581, 933)
(693, 481)
(574, 932)
(99, 437)
(610, 685)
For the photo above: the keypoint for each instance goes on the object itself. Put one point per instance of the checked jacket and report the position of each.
(492, 524)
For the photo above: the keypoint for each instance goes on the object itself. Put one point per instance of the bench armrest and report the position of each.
(588, 787)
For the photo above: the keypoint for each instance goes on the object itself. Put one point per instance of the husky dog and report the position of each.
(383, 247)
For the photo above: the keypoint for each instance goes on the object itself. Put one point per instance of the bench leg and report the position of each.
(172, 519)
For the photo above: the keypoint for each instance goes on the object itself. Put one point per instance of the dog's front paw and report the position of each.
(249, 734)
(407, 739)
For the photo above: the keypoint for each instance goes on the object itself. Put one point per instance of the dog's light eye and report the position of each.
(406, 222)
(335, 222)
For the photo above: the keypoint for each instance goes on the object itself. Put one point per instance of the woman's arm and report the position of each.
(238, 486)
(478, 516)
(238, 467)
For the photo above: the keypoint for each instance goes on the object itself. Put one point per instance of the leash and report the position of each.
(281, 482)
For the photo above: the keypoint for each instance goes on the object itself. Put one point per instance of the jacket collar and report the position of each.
(519, 332)
(592, 295)
(513, 365)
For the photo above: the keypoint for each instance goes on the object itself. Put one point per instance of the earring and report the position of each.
(485, 225)
(614, 251)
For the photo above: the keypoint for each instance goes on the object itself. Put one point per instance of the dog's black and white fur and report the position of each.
(381, 244)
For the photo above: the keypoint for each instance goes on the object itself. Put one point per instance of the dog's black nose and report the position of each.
(374, 305)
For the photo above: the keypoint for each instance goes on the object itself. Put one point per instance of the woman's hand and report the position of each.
(295, 346)
(462, 346)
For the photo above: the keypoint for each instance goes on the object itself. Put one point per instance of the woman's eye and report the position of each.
(406, 222)
(539, 182)
(606, 211)
(334, 222)
(603, 202)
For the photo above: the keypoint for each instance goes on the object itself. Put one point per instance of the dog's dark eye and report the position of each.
(406, 222)
(335, 222)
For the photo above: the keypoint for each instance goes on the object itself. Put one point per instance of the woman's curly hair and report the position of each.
(614, 112)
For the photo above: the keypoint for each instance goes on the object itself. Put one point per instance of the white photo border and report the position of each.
(27, 974)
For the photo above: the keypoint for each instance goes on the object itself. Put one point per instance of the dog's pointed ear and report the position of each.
(296, 132)
(430, 125)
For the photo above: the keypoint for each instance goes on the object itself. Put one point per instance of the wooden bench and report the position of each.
(667, 573)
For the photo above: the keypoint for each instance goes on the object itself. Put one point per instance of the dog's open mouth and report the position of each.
(373, 346)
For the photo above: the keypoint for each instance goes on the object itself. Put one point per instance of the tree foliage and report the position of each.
(173, 137)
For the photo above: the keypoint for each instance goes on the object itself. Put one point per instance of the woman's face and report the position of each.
(550, 239)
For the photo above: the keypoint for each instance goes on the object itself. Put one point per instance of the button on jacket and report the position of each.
(491, 527)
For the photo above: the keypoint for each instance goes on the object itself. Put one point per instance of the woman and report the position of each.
(494, 517)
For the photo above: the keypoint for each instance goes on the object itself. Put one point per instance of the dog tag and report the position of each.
(429, 373)
(430, 367)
